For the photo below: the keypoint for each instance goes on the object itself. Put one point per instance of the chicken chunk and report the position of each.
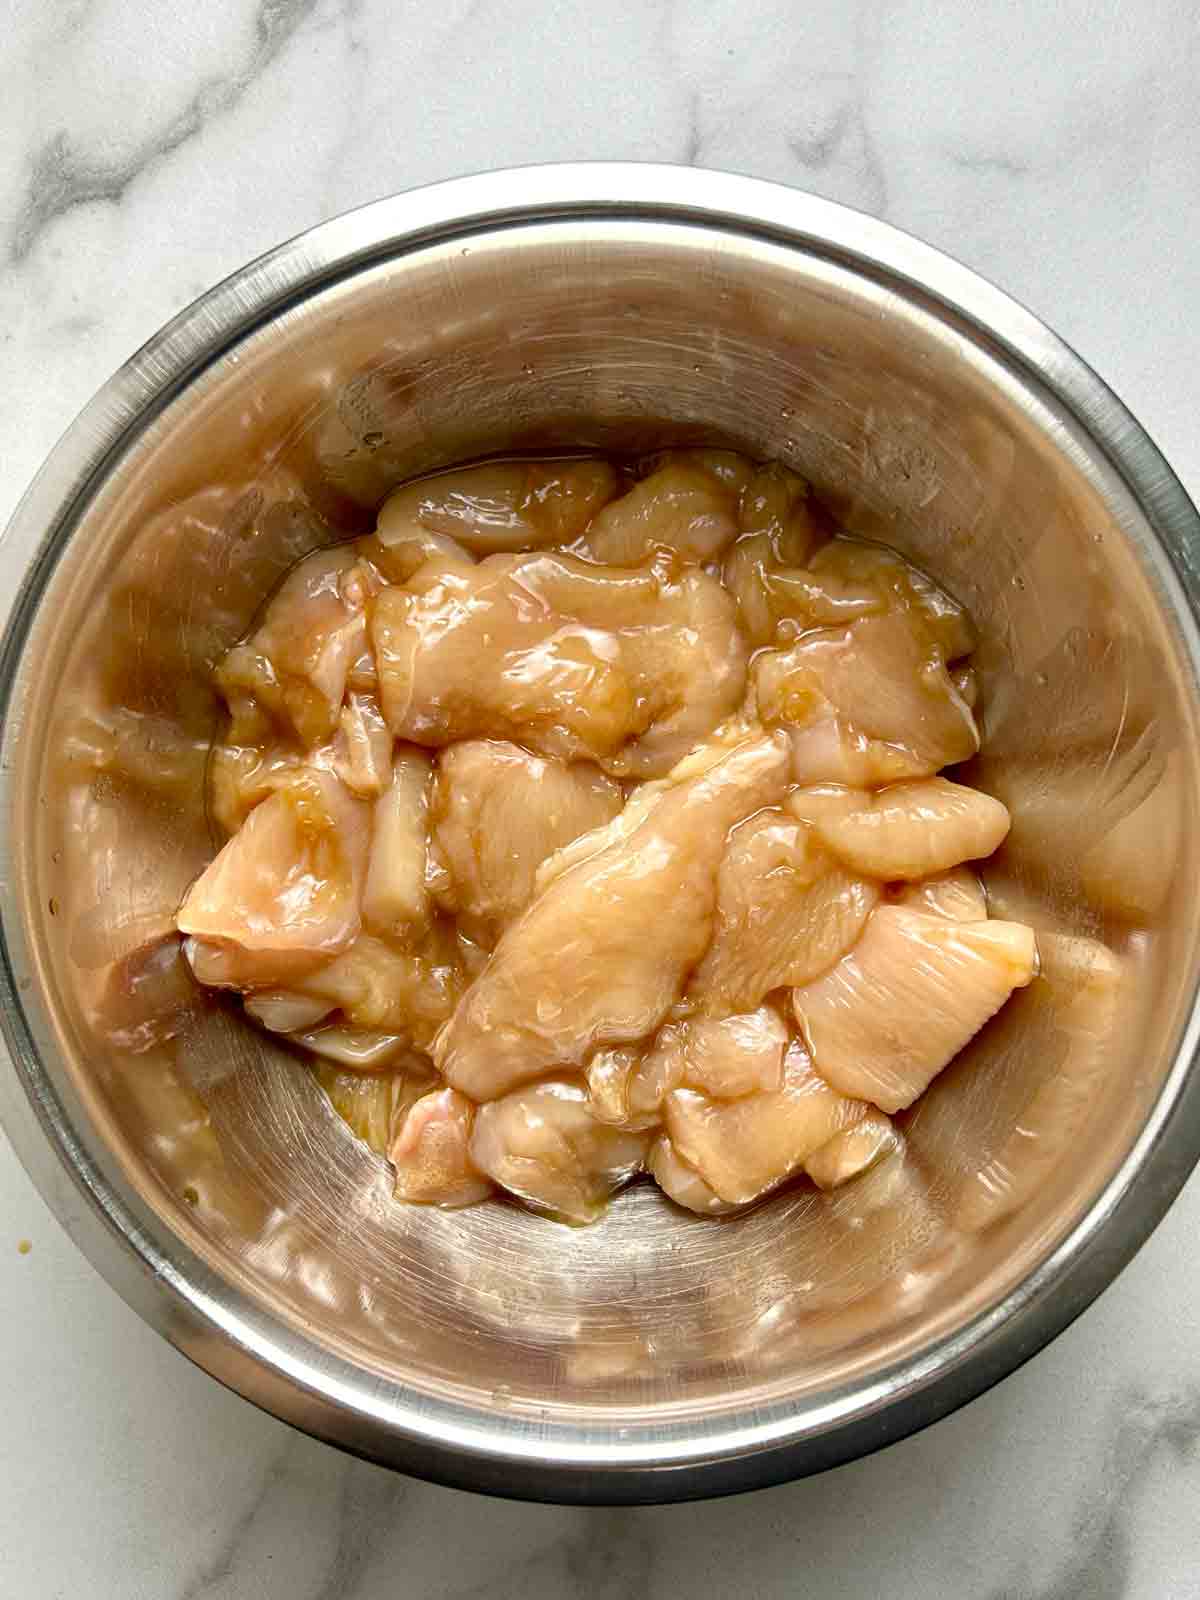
(501, 505)
(879, 677)
(786, 910)
(900, 587)
(829, 750)
(543, 1144)
(431, 1153)
(884, 1022)
(396, 899)
(621, 1092)
(682, 1183)
(285, 894)
(594, 960)
(681, 506)
(362, 747)
(743, 1148)
(295, 666)
(778, 536)
(725, 1057)
(913, 830)
(852, 1151)
(409, 993)
(411, 548)
(957, 894)
(498, 812)
(481, 654)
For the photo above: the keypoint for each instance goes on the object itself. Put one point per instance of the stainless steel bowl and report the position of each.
(653, 1356)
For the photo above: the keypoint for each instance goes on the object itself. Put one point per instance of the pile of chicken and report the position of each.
(585, 820)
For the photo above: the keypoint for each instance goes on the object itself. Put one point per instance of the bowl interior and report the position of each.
(618, 335)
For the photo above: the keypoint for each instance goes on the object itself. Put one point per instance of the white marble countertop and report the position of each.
(145, 151)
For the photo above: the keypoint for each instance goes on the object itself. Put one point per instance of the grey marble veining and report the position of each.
(147, 150)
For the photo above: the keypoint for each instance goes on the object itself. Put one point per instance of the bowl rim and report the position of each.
(225, 1331)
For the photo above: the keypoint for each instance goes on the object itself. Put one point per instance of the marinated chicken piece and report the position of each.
(603, 952)
(681, 506)
(786, 910)
(241, 777)
(913, 830)
(626, 1085)
(880, 677)
(828, 750)
(724, 1057)
(689, 671)
(362, 747)
(852, 1151)
(743, 1148)
(409, 993)
(410, 548)
(779, 534)
(728, 466)
(356, 1049)
(884, 1022)
(901, 588)
(957, 894)
(284, 895)
(681, 1182)
(501, 505)
(543, 1144)
(481, 654)
(396, 899)
(296, 664)
(431, 1153)
(498, 812)
(285, 1011)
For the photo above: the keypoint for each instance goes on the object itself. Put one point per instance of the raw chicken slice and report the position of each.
(431, 1153)
(284, 894)
(603, 952)
(411, 548)
(723, 1057)
(852, 1151)
(900, 588)
(913, 830)
(409, 993)
(396, 899)
(626, 1084)
(742, 1148)
(957, 894)
(884, 1022)
(498, 812)
(779, 534)
(283, 1011)
(479, 653)
(729, 467)
(786, 910)
(501, 505)
(296, 663)
(877, 675)
(543, 1144)
(681, 1182)
(681, 506)
(362, 747)
(828, 750)
(241, 777)
(356, 1049)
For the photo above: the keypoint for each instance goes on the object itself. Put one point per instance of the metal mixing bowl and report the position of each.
(655, 1355)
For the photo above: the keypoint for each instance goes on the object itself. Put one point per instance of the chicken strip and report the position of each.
(680, 506)
(743, 1148)
(431, 1153)
(852, 1151)
(913, 830)
(543, 1144)
(884, 1022)
(500, 505)
(498, 812)
(395, 899)
(603, 953)
(284, 895)
(957, 894)
(786, 910)
(682, 1183)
